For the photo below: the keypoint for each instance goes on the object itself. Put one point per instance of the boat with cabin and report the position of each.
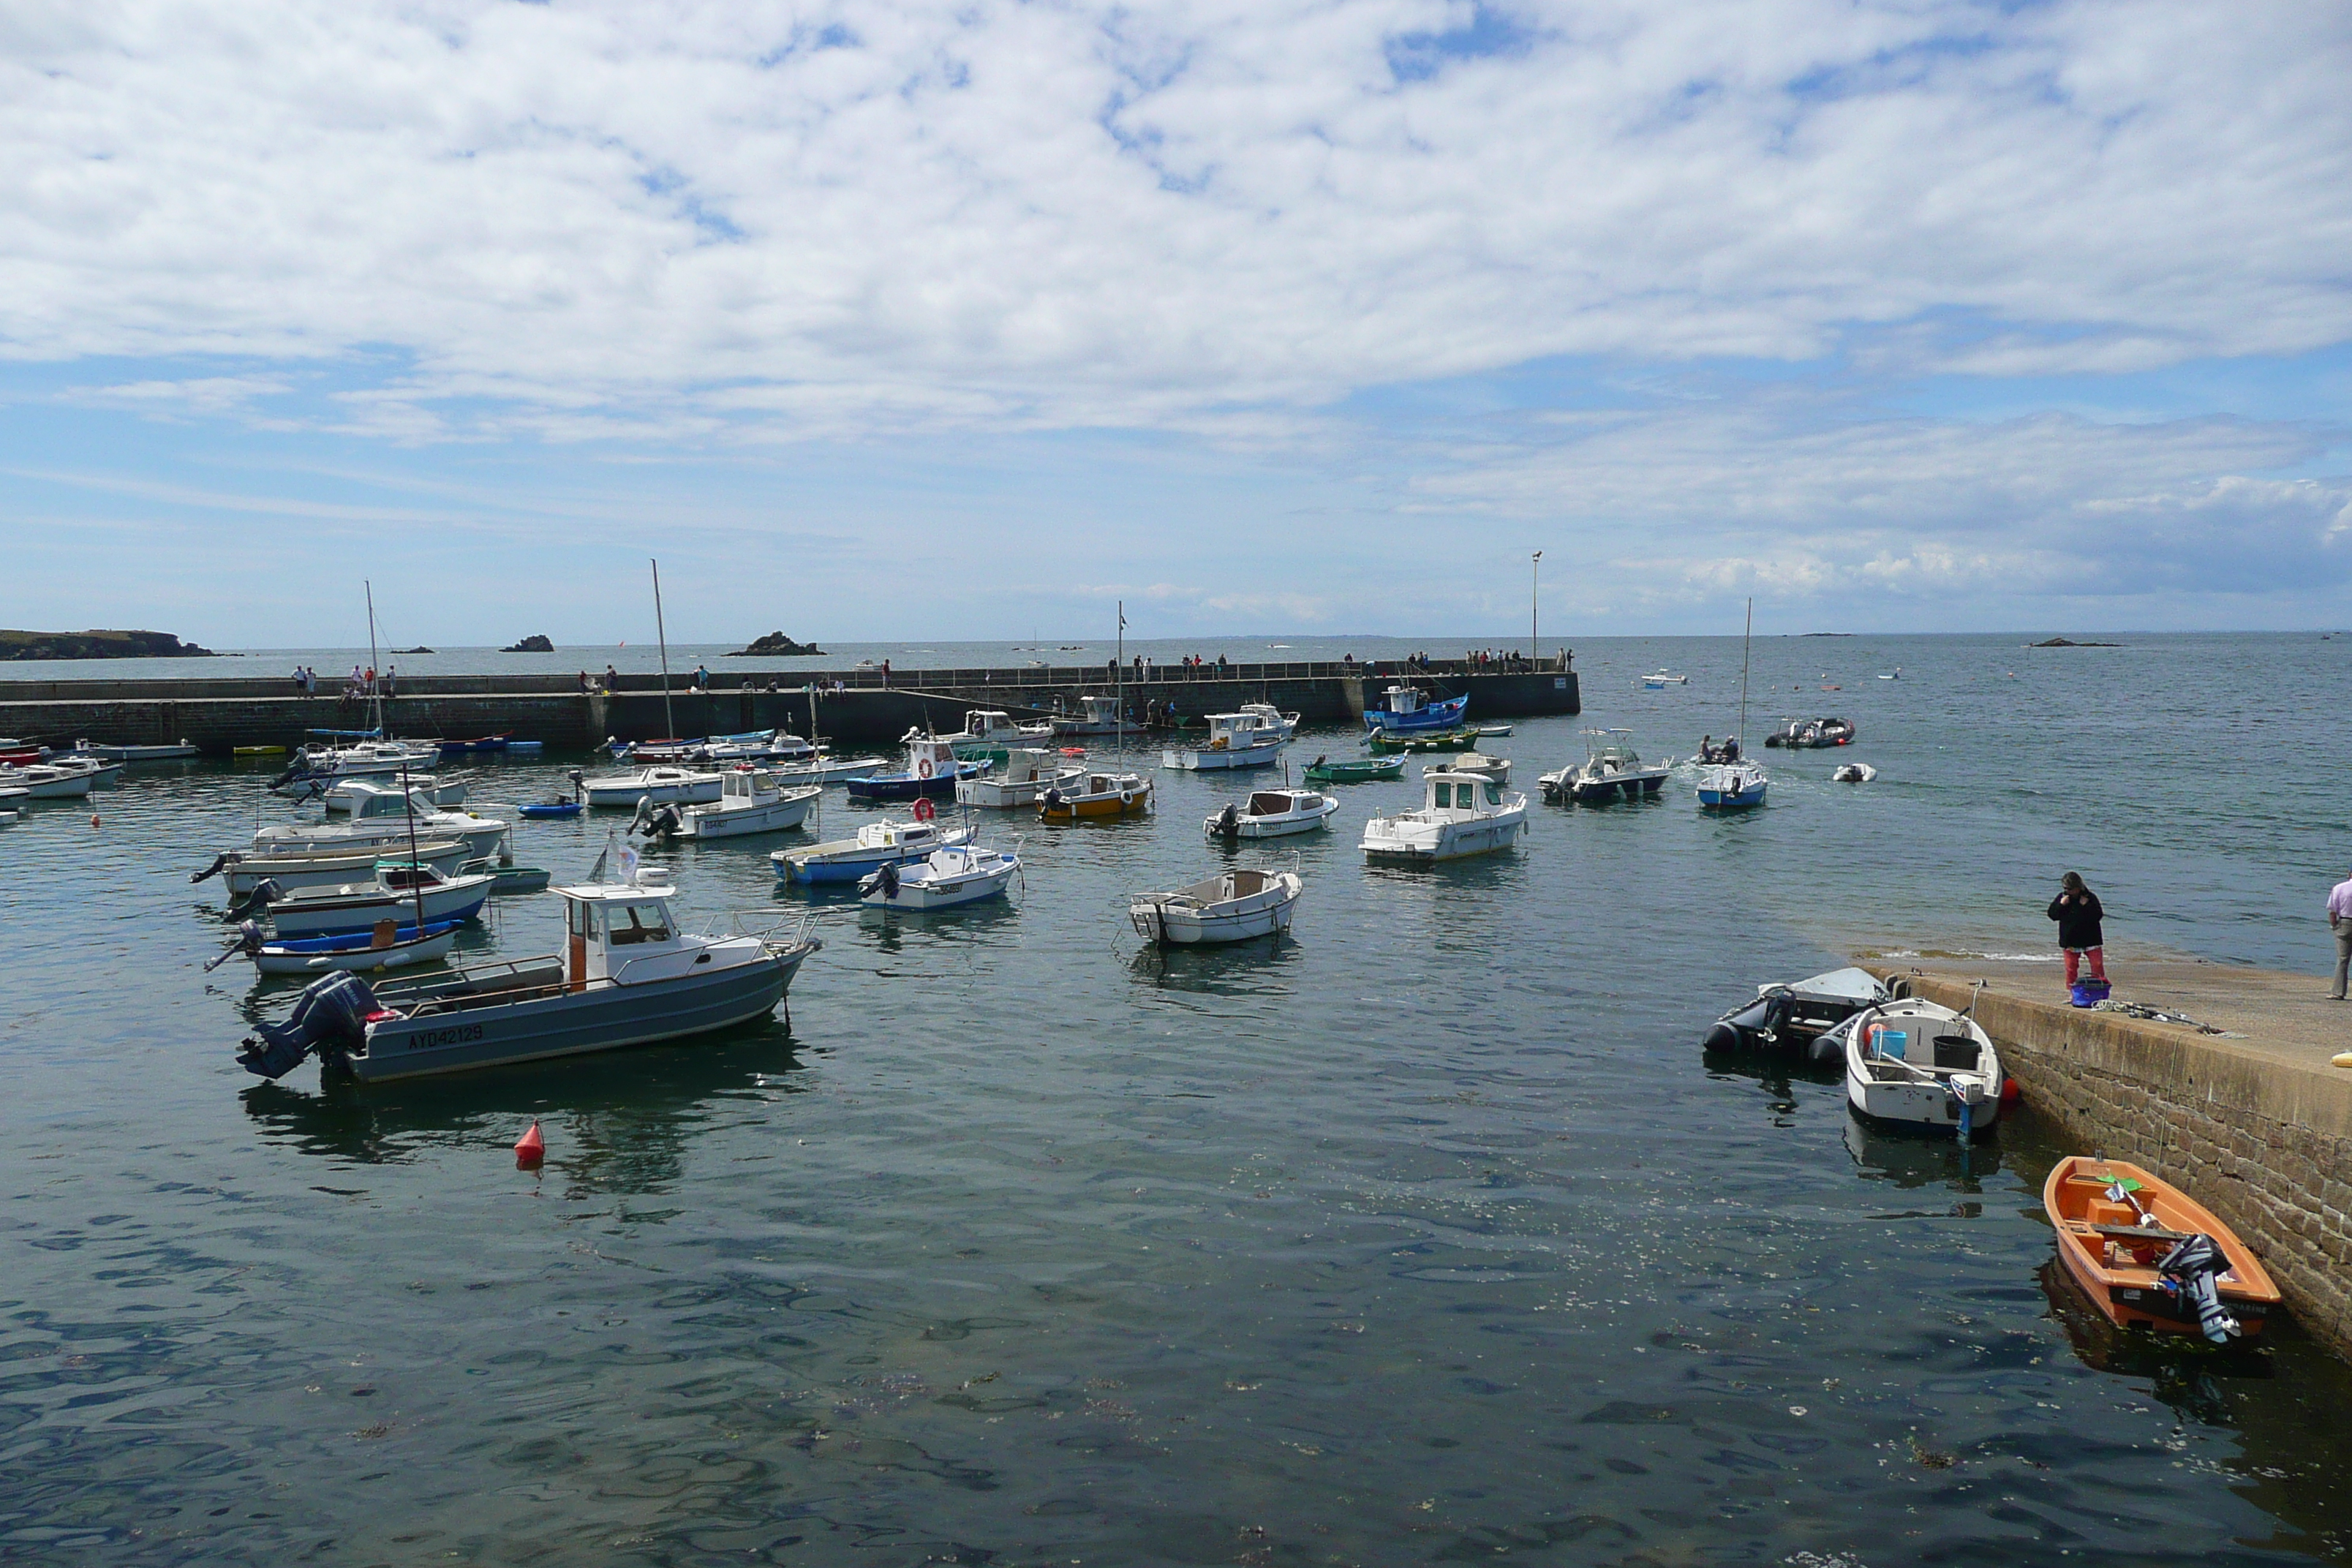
(241, 871)
(988, 734)
(1272, 814)
(1096, 716)
(45, 781)
(1409, 708)
(1236, 905)
(750, 800)
(932, 772)
(1920, 1064)
(1284, 724)
(625, 976)
(878, 844)
(1486, 767)
(345, 797)
(1659, 679)
(1096, 794)
(1022, 779)
(1233, 741)
(387, 818)
(1612, 770)
(2131, 1241)
(661, 784)
(1461, 814)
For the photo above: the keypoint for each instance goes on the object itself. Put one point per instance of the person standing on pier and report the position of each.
(2339, 920)
(2076, 909)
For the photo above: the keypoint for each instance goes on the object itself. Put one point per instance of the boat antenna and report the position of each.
(1745, 637)
(661, 635)
(374, 662)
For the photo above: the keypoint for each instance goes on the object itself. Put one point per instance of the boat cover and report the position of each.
(1849, 984)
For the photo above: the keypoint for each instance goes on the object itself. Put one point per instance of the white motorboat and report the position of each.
(1232, 906)
(1462, 815)
(750, 800)
(1028, 772)
(45, 781)
(1096, 716)
(388, 818)
(625, 976)
(1273, 813)
(1853, 773)
(241, 871)
(368, 758)
(663, 785)
(1234, 740)
(96, 770)
(1658, 679)
(1920, 1063)
(878, 844)
(130, 754)
(1284, 725)
(987, 732)
(939, 880)
(1612, 770)
(396, 893)
(346, 795)
(825, 768)
(1479, 763)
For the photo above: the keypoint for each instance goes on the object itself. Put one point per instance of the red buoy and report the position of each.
(529, 1149)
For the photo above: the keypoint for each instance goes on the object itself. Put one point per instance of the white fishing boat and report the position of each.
(825, 768)
(1232, 906)
(1461, 814)
(387, 818)
(241, 871)
(132, 754)
(1284, 725)
(1027, 773)
(750, 800)
(941, 880)
(1918, 1062)
(344, 796)
(45, 781)
(95, 769)
(988, 733)
(1273, 813)
(1479, 763)
(1233, 741)
(1658, 679)
(1729, 782)
(663, 785)
(878, 844)
(396, 893)
(1612, 770)
(367, 759)
(1096, 716)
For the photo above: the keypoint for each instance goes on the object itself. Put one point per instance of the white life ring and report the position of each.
(923, 768)
(1125, 798)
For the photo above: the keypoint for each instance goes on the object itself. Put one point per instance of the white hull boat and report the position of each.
(1918, 1063)
(1244, 740)
(1613, 770)
(661, 785)
(387, 818)
(1096, 716)
(1027, 773)
(1232, 906)
(750, 801)
(368, 758)
(339, 909)
(1496, 768)
(878, 844)
(1462, 815)
(126, 754)
(939, 880)
(386, 947)
(45, 781)
(344, 798)
(1284, 725)
(1732, 786)
(829, 770)
(1659, 679)
(1273, 813)
(241, 871)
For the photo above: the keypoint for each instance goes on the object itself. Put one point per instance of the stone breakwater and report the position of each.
(853, 707)
(2253, 1122)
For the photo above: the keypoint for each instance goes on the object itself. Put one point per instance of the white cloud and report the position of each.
(696, 221)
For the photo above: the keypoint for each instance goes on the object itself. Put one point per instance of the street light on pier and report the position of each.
(1535, 587)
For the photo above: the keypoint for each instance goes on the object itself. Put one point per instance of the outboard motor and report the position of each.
(214, 870)
(889, 878)
(265, 893)
(1229, 822)
(330, 1017)
(248, 943)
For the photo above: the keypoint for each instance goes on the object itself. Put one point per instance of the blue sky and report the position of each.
(961, 320)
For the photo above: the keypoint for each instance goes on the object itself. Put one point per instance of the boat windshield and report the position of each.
(645, 922)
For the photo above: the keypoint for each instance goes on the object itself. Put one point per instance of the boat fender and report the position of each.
(214, 870)
(1126, 797)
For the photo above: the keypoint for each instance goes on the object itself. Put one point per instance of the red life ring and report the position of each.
(925, 810)
(923, 768)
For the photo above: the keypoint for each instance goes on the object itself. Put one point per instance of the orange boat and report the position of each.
(2115, 1220)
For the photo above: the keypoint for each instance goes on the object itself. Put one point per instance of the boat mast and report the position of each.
(1745, 637)
(415, 871)
(373, 661)
(1118, 686)
(661, 635)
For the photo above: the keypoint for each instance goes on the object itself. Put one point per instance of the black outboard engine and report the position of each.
(265, 892)
(1229, 822)
(330, 1017)
(214, 870)
(889, 878)
(657, 821)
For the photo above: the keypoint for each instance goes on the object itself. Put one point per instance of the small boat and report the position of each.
(1285, 725)
(97, 771)
(130, 754)
(1732, 786)
(1659, 679)
(931, 772)
(549, 808)
(1495, 731)
(1364, 770)
(1462, 815)
(480, 745)
(1612, 770)
(1233, 741)
(2129, 1239)
(939, 880)
(241, 871)
(387, 818)
(1896, 675)
(506, 880)
(1919, 1063)
(1812, 734)
(344, 796)
(1853, 773)
(1096, 716)
(825, 768)
(1479, 763)
(878, 844)
(1798, 1012)
(386, 946)
(1460, 739)
(626, 977)
(42, 781)
(256, 750)
(714, 751)
(988, 734)
(398, 892)
(1232, 906)
(663, 785)
(20, 754)
(1272, 814)
(366, 758)
(1408, 708)
(750, 800)
(1025, 776)
(1096, 795)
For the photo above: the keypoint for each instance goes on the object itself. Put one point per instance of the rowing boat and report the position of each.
(2118, 1224)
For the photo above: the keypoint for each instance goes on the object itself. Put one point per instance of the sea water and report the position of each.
(1427, 1235)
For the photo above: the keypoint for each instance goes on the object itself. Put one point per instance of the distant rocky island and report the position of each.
(418, 649)
(776, 644)
(2069, 642)
(532, 644)
(98, 645)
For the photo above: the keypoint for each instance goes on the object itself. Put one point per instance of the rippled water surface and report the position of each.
(1428, 1236)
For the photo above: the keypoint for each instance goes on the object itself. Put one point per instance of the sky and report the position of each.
(963, 320)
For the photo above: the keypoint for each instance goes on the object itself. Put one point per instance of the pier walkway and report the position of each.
(2251, 1121)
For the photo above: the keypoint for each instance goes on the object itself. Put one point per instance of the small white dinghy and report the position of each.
(1272, 814)
(1232, 906)
(662, 785)
(750, 800)
(941, 880)
(1917, 1063)
(1855, 773)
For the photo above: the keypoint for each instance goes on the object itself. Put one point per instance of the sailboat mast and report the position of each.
(1745, 637)
(1118, 684)
(377, 681)
(661, 635)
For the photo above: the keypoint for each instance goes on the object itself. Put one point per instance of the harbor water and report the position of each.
(1427, 1235)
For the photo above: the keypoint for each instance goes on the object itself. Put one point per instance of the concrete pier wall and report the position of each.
(2258, 1128)
(219, 714)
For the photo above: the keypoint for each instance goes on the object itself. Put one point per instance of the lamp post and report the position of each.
(1535, 583)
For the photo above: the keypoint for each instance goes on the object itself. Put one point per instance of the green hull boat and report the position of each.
(1424, 740)
(1355, 771)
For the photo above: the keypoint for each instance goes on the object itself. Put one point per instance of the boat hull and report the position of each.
(292, 873)
(2130, 1296)
(1622, 786)
(1096, 808)
(344, 917)
(1455, 841)
(844, 862)
(1179, 924)
(1443, 715)
(1206, 759)
(1356, 772)
(925, 896)
(613, 792)
(317, 956)
(773, 816)
(909, 786)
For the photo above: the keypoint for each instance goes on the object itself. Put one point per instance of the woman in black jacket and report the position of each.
(2076, 909)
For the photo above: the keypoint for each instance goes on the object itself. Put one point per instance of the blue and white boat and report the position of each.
(1408, 708)
(1728, 781)
(932, 771)
(414, 894)
(400, 948)
(878, 844)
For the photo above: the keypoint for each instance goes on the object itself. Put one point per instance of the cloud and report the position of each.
(706, 222)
